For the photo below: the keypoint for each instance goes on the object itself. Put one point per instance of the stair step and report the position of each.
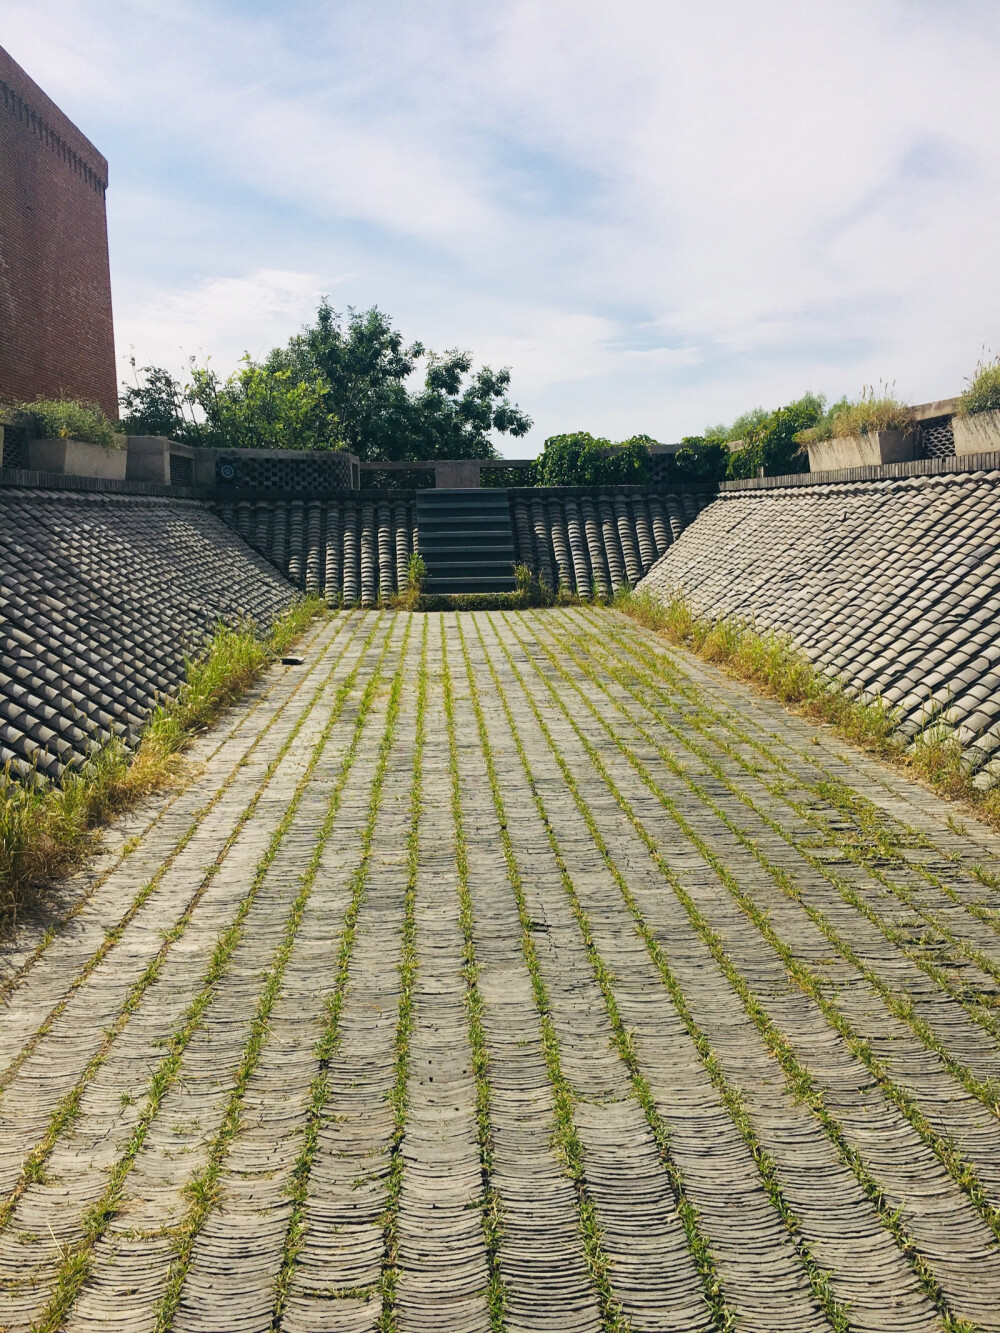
(466, 540)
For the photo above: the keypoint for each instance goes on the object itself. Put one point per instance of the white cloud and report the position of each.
(657, 213)
(221, 318)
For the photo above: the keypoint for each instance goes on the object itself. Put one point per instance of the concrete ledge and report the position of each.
(921, 467)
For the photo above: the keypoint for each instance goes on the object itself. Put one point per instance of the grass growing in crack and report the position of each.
(771, 662)
(901, 1006)
(798, 1080)
(492, 1210)
(76, 1265)
(320, 1088)
(408, 964)
(722, 1316)
(203, 1191)
(566, 1136)
(46, 830)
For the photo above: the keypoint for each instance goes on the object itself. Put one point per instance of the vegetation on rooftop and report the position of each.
(983, 391)
(47, 830)
(67, 419)
(867, 415)
(344, 382)
(580, 459)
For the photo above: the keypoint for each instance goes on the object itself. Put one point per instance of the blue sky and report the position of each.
(658, 214)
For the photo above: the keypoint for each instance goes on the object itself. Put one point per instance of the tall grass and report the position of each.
(46, 830)
(772, 662)
(869, 414)
(983, 391)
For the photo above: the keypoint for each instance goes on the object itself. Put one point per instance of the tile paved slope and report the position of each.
(101, 600)
(514, 919)
(893, 587)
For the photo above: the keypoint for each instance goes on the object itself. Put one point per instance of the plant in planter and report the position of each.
(976, 425)
(72, 436)
(872, 430)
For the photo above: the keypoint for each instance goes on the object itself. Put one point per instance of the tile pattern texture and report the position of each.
(891, 587)
(101, 600)
(354, 551)
(509, 971)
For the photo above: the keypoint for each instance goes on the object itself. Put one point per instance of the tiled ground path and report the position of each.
(508, 971)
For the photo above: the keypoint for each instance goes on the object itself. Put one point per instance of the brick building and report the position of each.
(56, 335)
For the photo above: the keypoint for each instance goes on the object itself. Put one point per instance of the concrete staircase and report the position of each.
(466, 540)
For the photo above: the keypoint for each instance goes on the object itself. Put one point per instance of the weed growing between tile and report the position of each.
(68, 1109)
(799, 1081)
(46, 830)
(492, 1212)
(723, 1317)
(771, 662)
(320, 1089)
(566, 1135)
(77, 1260)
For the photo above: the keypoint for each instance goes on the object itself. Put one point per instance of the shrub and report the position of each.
(983, 393)
(700, 458)
(772, 442)
(416, 578)
(68, 419)
(867, 416)
(581, 459)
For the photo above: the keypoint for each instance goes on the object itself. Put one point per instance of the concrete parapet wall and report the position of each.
(890, 584)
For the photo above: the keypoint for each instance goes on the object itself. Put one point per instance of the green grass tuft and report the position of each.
(47, 829)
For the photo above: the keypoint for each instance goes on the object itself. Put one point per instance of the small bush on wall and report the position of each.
(68, 419)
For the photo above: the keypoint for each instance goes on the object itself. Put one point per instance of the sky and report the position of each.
(658, 214)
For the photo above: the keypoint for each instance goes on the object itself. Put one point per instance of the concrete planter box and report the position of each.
(74, 458)
(157, 459)
(977, 434)
(884, 446)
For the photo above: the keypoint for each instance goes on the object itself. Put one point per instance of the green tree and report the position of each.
(155, 405)
(342, 383)
(770, 441)
(366, 366)
(259, 407)
(580, 459)
(700, 458)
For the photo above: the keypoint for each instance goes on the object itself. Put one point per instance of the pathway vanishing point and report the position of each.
(510, 971)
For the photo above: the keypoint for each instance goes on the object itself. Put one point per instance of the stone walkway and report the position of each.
(510, 972)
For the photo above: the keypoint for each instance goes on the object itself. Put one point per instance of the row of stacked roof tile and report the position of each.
(891, 587)
(596, 544)
(101, 600)
(356, 551)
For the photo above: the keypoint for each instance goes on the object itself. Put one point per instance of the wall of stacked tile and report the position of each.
(890, 586)
(55, 282)
(356, 551)
(102, 597)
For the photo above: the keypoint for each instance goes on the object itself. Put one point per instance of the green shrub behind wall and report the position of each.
(580, 459)
(68, 419)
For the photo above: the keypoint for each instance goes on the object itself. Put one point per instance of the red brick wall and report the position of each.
(56, 335)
